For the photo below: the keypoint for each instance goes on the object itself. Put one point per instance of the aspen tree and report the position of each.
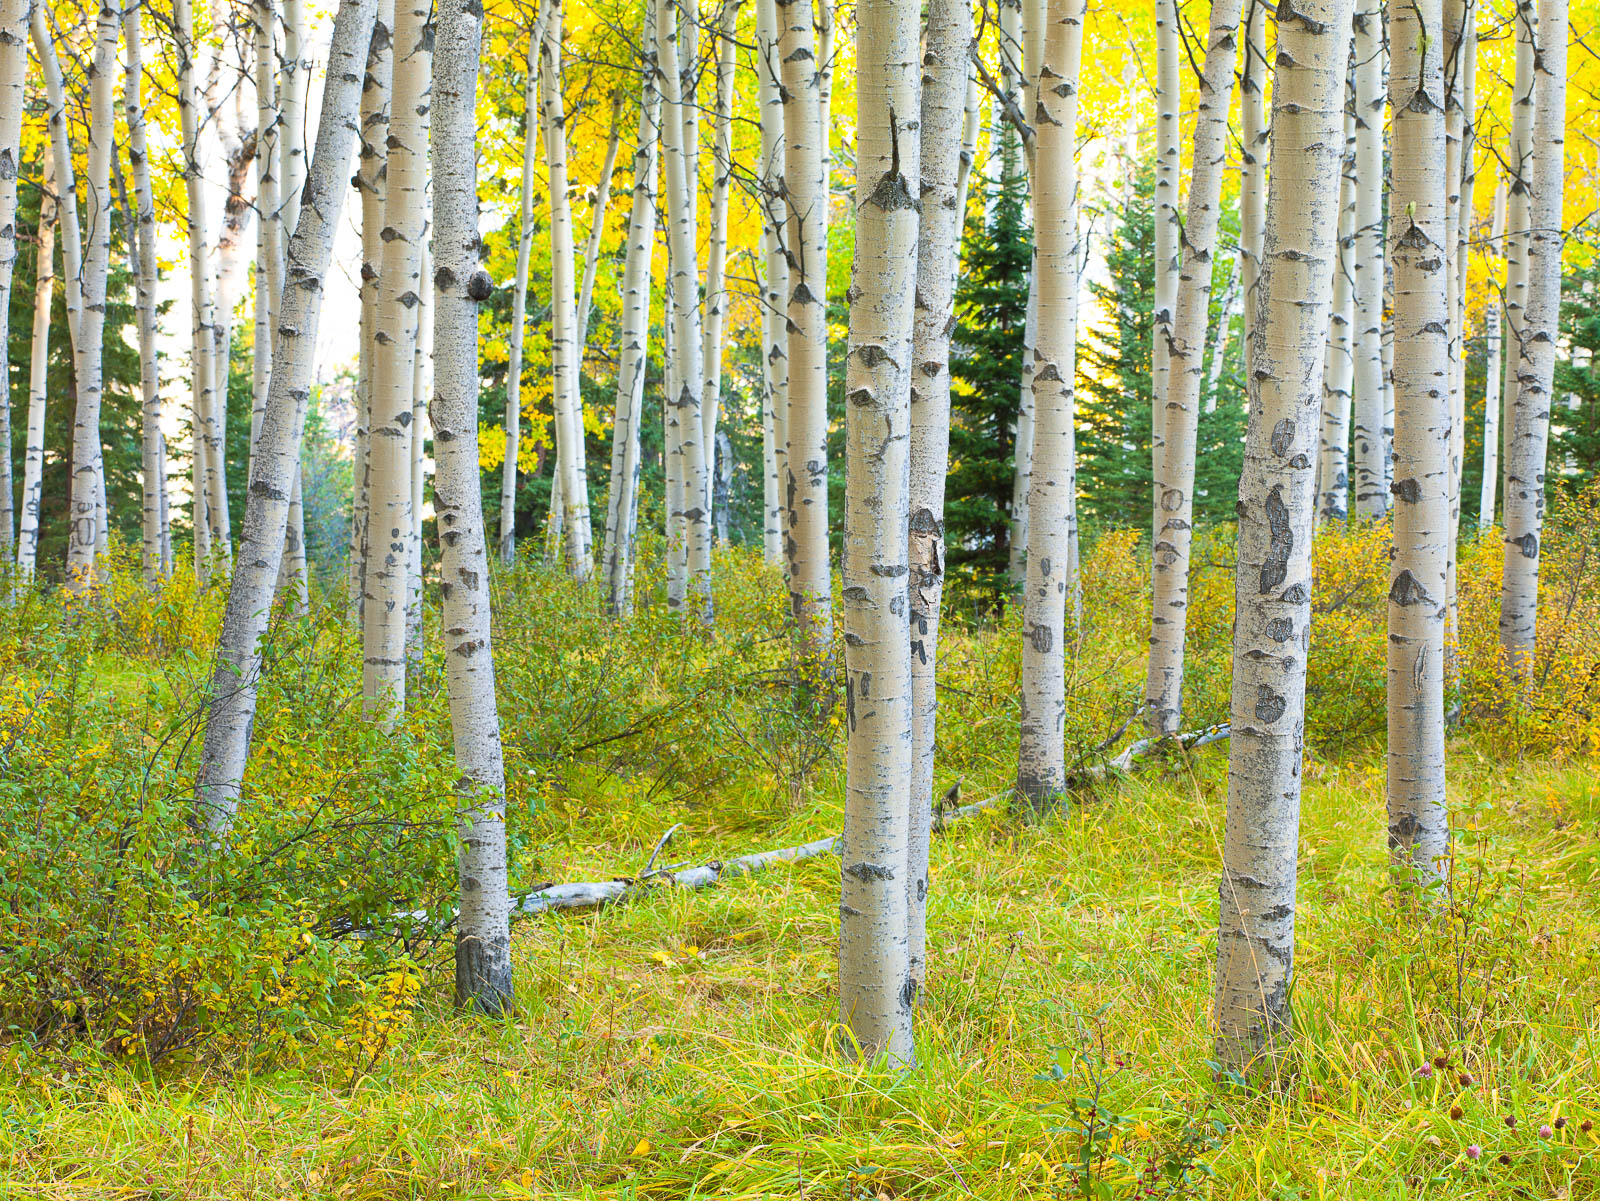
(1338, 371)
(421, 392)
(519, 299)
(597, 224)
(483, 927)
(1232, 302)
(876, 988)
(269, 226)
(294, 574)
(1419, 825)
(1535, 350)
(1041, 770)
(1255, 944)
(1369, 488)
(1454, 26)
(1519, 168)
(1492, 322)
(44, 281)
(971, 119)
(633, 358)
(944, 97)
(236, 677)
(66, 197)
(1167, 231)
(716, 293)
(566, 353)
(1185, 340)
(13, 75)
(370, 182)
(690, 523)
(390, 518)
(1254, 138)
(775, 285)
(826, 28)
(805, 485)
(88, 478)
(153, 467)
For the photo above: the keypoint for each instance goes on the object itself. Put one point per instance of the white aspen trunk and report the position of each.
(483, 927)
(13, 78)
(597, 225)
(237, 674)
(88, 479)
(1338, 370)
(971, 121)
(805, 487)
(1519, 167)
(622, 500)
(944, 95)
(1169, 138)
(153, 467)
(1231, 302)
(370, 182)
(566, 353)
(685, 418)
(775, 285)
(269, 227)
(231, 264)
(390, 518)
(1369, 447)
(203, 365)
(1492, 325)
(876, 988)
(1022, 433)
(1254, 137)
(66, 195)
(1186, 345)
(1255, 942)
(421, 392)
(1536, 351)
(295, 85)
(716, 294)
(825, 34)
(1419, 821)
(519, 301)
(1041, 769)
(38, 373)
(1454, 27)
(293, 574)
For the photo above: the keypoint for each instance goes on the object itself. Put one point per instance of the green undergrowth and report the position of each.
(183, 1022)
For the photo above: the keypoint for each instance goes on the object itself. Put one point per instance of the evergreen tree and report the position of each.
(986, 380)
(1575, 413)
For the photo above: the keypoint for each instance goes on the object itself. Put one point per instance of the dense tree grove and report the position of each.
(468, 462)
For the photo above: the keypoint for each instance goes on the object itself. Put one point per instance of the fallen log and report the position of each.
(594, 894)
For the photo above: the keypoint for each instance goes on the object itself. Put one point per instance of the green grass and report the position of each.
(683, 1045)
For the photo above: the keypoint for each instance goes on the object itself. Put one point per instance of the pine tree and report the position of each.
(986, 374)
(1575, 416)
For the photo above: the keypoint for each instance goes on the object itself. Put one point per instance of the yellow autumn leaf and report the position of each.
(642, 1149)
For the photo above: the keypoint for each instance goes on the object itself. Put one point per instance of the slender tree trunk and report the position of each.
(391, 519)
(1255, 943)
(566, 352)
(1370, 489)
(805, 485)
(269, 228)
(370, 181)
(1169, 138)
(13, 78)
(1419, 822)
(231, 265)
(292, 92)
(238, 668)
(775, 284)
(1536, 351)
(421, 393)
(597, 224)
(1492, 325)
(1338, 372)
(483, 929)
(1041, 769)
(66, 194)
(876, 988)
(1022, 433)
(1519, 166)
(519, 301)
(88, 481)
(685, 418)
(1185, 339)
(633, 356)
(972, 120)
(944, 95)
(716, 296)
(153, 466)
(1454, 27)
(1254, 138)
(1232, 300)
(44, 283)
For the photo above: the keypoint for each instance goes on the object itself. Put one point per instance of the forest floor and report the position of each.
(681, 1045)
(685, 1045)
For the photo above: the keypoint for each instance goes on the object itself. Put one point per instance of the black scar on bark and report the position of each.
(1407, 590)
(1281, 541)
(1269, 705)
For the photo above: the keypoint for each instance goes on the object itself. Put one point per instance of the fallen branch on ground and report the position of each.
(594, 894)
